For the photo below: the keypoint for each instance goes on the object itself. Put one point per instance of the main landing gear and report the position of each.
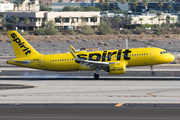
(96, 75)
(152, 72)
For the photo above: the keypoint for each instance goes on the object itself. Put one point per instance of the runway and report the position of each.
(91, 91)
(35, 95)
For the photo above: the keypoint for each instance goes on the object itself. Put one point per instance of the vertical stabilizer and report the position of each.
(21, 47)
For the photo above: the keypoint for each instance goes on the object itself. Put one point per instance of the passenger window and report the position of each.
(72, 59)
(137, 54)
(50, 60)
(144, 54)
(62, 59)
(134, 54)
(58, 60)
(53, 60)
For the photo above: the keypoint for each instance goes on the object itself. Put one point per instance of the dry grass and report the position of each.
(119, 45)
(2, 40)
(101, 43)
(171, 43)
(95, 44)
(154, 35)
(168, 36)
(106, 44)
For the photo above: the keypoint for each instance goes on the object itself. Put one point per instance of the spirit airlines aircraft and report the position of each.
(112, 61)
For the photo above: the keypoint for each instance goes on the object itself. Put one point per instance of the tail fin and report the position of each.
(21, 47)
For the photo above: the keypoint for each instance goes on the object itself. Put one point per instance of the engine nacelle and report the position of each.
(117, 68)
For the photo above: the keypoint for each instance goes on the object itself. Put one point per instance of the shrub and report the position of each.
(126, 31)
(22, 33)
(105, 28)
(138, 31)
(160, 31)
(10, 26)
(147, 26)
(46, 31)
(175, 30)
(87, 30)
(70, 32)
(164, 25)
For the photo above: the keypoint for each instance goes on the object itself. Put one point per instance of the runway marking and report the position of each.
(119, 104)
(120, 96)
(151, 93)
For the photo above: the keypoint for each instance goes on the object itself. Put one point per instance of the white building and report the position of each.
(53, 16)
(6, 7)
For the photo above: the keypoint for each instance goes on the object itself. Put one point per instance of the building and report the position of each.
(37, 19)
(145, 19)
(27, 5)
(6, 7)
(60, 6)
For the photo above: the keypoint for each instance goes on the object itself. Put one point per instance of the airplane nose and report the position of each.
(171, 58)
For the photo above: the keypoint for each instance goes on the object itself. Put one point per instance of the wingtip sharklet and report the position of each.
(72, 53)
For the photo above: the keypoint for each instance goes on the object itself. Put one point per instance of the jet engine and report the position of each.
(117, 68)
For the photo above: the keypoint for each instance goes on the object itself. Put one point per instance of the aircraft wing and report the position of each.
(89, 63)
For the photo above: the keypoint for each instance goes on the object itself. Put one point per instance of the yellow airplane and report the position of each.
(112, 61)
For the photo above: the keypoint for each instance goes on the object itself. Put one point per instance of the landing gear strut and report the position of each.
(96, 76)
(152, 72)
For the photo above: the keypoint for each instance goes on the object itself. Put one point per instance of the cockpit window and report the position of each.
(163, 52)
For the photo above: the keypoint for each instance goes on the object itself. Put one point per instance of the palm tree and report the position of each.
(17, 2)
(135, 4)
(117, 19)
(39, 20)
(102, 2)
(60, 20)
(94, 17)
(169, 6)
(168, 18)
(145, 3)
(107, 4)
(47, 4)
(126, 17)
(15, 19)
(72, 20)
(151, 19)
(83, 20)
(141, 19)
(160, 4)
(63, 20)
(27, 21)
(29, 4)
(158, 15)
(3, 19)
(173, 19)
(130, 19)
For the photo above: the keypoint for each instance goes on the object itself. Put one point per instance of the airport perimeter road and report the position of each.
(86, 112)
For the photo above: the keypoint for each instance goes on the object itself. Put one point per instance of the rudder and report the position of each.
(21, 47)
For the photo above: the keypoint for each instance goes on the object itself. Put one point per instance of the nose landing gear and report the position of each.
(152, 72)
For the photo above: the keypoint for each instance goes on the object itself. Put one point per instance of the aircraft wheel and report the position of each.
(96, 76)
(152, 73)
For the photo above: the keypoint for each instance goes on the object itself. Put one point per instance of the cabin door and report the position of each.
(151, 53)
(42, 62)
